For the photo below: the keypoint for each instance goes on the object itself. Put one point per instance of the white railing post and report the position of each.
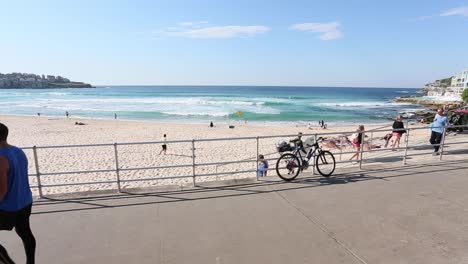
(371, 138)
(38, 174)
(363, 142)
(442, 142)
(117, 169)
(341, 147)
(193, 163)
(313, 157)
(256, 165)
(406, 146)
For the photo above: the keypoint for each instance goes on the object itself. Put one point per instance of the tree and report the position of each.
(465, 95)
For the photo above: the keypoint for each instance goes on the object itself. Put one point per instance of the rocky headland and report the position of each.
(34, 81)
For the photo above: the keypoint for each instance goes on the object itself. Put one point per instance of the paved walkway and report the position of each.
(413, 214)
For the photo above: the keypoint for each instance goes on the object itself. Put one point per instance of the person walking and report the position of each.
(398, 131)
(437, 130)
(357, 141)
(164, 145)
(15, 195)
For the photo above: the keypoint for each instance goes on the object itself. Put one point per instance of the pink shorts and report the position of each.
(357, 145)
(396, 134)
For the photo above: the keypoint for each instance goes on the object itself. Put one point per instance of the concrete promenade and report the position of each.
(411, 214)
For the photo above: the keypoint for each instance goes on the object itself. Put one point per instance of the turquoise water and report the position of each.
(200, 104)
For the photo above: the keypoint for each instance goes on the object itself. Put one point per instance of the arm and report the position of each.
(4, 168)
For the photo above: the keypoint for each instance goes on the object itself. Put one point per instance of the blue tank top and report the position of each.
(19, 193)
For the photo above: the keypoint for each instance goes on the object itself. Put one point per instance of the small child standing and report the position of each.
(262, 166)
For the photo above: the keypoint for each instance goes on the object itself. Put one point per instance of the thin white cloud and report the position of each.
(202, 31)
(459, 11)
(421, 18)
(328, 31)
(192, 24)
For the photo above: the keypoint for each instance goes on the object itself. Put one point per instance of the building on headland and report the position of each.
(459, 82)
(438, 87)
(448, 88)
(28, 80)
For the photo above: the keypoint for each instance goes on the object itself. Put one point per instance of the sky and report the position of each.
(356, 43)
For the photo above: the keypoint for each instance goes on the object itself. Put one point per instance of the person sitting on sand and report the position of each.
(330, 144)
(211, 124)
(387, 138)
(358, 139)
(262, 166)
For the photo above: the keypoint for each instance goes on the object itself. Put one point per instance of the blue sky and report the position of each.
(240, 42)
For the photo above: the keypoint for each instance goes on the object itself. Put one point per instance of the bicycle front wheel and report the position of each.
(288, 167)
(325, 162)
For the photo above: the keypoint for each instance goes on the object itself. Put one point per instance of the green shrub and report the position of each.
(465, 95)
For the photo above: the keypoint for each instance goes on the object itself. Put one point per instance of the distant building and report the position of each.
(459, 82)
(438, 87)
(449, 88)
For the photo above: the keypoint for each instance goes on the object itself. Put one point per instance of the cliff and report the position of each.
(34, 81)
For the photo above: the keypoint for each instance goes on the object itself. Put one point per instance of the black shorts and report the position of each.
(8, 220)
(164, 147)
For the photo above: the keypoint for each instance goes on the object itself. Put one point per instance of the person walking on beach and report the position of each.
(357, 141)
(437, 130)
(15, 196)
(67, 114)
(164, 145)
(398, 131)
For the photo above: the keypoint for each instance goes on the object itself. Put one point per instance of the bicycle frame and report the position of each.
(313, 148)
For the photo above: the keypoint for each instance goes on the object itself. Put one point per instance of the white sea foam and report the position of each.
(362, 104)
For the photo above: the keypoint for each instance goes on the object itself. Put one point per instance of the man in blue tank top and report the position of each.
(15, 196)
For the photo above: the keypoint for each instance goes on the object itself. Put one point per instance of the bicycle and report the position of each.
(289, 165)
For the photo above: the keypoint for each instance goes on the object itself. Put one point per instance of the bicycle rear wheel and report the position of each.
(288, 167)
(325, 162)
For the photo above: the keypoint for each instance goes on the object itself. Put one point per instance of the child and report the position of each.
(262, 166)
(357, 142)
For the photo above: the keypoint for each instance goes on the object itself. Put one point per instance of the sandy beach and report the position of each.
(28, 131)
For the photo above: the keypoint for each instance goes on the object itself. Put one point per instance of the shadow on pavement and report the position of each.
(204, 191)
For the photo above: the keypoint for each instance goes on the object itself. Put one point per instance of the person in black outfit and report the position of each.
(398, 131)
(298, 142)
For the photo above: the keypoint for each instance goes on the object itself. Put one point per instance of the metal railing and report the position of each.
(249, 159)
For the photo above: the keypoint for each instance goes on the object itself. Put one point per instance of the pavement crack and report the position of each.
(161, 237)
(322, 227)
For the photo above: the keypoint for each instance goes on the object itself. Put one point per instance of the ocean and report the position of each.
(220, 104)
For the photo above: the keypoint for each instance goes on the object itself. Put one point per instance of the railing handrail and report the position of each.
(195, 164)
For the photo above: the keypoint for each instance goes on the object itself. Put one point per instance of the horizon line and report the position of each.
(234, 85)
